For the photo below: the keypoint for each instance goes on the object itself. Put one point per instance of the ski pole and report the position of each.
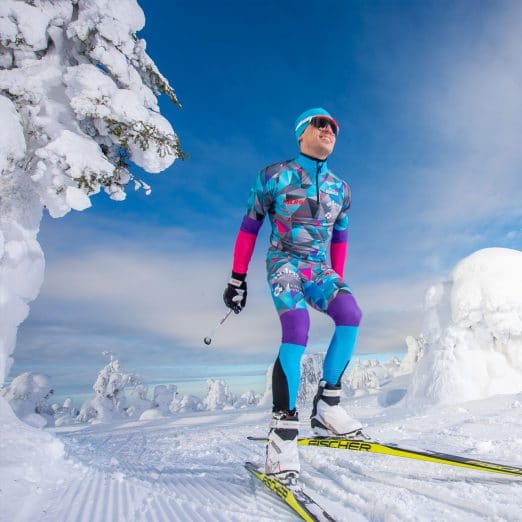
(208, 340)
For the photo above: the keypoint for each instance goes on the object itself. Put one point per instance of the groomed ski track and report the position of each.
(190, 468)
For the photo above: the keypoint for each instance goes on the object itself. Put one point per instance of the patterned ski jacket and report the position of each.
(307, 206)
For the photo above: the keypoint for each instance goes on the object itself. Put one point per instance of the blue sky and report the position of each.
(427, 95)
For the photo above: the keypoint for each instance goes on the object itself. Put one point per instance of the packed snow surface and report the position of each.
(189, 467)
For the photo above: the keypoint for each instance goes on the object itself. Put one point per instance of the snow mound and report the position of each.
(473, 332)
(30, 460)
(151, 414)
(27, 395)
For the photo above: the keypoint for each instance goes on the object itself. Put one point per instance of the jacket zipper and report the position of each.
(319, 164)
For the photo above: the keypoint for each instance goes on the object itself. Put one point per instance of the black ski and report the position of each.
(293, 496)
(371, 446)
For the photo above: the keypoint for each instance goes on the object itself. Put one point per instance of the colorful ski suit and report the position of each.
(307, 206)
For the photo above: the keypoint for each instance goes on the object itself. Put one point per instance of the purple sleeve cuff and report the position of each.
(340, 236)
(250, 225)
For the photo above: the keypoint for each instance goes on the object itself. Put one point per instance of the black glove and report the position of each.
(235, 293)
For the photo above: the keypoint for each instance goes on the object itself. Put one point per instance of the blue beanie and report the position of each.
(304, 120)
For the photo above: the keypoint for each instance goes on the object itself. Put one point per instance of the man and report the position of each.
(307, 206)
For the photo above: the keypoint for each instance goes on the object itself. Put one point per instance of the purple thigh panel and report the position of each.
(344, 310)
(295, 325)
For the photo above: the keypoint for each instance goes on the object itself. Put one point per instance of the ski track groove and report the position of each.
(207, 497)
(100, 499)
(149, 493)
(77, 501)
(157, 508)
(185, 498)
(132, 494)
(158, 476)
(71, 495)
(155, 495)
(83, 505)
(124, 502)
(173, 512)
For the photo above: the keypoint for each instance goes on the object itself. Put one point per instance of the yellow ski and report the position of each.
(294, 497)
(370, 446)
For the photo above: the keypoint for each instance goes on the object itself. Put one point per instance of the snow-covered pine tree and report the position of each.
(311, 373)
(248, 399)
(78, 104)
(185, 403)
(109, 401)
(163, 396)
(416, 347)
(218, 396)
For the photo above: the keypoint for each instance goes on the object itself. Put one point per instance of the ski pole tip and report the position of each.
(207, 340)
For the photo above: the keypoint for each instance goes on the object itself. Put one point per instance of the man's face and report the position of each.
(318, 143)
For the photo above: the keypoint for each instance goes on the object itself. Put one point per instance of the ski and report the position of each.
(371, 446)
(294, 497)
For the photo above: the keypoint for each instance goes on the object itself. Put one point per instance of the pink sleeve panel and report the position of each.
(245, 243)
(338, 253)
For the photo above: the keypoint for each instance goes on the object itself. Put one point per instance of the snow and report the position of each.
(67, 112)
(77, 86)
(78, 96)
(473, 332)
(27, 395)
(190, 467)
(21, 258)
(181, 458)
(12, 142)
(20, 20)
(33, 466)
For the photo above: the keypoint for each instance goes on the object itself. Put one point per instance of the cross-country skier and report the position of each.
(307, 206)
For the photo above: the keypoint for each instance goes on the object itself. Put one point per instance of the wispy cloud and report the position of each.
(134, 296)
(474, 106)
(454, 186)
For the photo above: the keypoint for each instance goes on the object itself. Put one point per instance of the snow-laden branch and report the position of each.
(85, 92)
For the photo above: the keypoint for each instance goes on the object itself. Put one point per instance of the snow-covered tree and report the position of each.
(65, 414)
(159, 407)
(138, 400)
(473, 332)
(311, 373)
(109, 401)
(248, 399)
(164, 394)
(28, 395)
(266, 399)
(415, 350)
(78, 106)
(362, 377)
(186, 403)
(218, 395)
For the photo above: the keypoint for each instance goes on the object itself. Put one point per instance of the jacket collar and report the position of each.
(310, 164)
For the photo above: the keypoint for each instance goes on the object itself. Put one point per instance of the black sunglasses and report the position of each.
(320, 122)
